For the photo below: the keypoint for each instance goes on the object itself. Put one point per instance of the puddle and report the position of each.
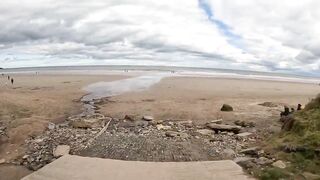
(100, 90)
(107, 89)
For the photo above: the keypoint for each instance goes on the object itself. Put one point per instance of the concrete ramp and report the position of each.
(85, 168)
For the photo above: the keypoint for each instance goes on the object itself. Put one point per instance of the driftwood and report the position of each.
(101, 131)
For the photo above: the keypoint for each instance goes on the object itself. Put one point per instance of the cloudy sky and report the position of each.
(262, 35)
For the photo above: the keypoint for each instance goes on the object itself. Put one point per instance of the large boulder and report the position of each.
(224, 127)
(226, 107)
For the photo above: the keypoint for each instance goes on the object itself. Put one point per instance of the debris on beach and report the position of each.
(144, 140)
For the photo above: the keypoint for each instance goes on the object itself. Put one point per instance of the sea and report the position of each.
(172, 70)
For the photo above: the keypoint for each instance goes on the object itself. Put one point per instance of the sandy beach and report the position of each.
(27, 106)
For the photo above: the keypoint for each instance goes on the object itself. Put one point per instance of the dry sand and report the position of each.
(200, 99)
(34, 100)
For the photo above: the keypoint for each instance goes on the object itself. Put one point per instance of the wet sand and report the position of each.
(34, 100)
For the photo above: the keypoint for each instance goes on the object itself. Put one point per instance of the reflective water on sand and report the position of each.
(106, 89)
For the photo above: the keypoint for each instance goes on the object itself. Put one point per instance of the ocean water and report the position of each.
(175, 71)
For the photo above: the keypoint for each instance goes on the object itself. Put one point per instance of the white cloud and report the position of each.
(273, 35)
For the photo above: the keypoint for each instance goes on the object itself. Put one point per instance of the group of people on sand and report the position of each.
(10, 79)
(287, 112)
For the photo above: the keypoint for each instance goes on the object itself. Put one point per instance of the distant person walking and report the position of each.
(12, 80)
(8, 77)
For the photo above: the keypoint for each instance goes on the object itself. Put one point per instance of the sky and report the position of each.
(259, 35)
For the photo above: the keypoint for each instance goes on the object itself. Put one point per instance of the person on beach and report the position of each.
(12, 80)
(8, 77)
(299, 107)
(286, 111)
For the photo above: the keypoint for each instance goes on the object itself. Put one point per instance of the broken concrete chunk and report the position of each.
(224, 127)
(61, 150)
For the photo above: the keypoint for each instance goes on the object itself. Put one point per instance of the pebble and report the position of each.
(279, 164)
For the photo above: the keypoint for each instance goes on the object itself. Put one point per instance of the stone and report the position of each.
(245, 162)
(162, 127)
(217, 121)
(25, 156)
(51, 126)
(224, 127)
(226, 107)
(228, 153)
(171, 133)
(244, 123)
(279, 164)
(187, 123)
(244, 134)
(250, 151)
(141, 123)
(147, 118)
(310, 176)
(129, 117)
(205, 132)
(176, 134)
(61, 150)
(2, 161)
(87, 123)
(263, 161)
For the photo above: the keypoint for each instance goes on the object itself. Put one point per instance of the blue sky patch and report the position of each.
(226, 30)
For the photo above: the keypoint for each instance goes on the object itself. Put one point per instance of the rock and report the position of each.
(310, 176)
(2, 161)
(188, 123)
(147, 118)
(129, 117)
(224, 127)
(205, 132)
(162, 127)
(51, 126)
(228, 153)
(245, 162)
(217, 121)
(268, 104)
(171, 133)
(141, 123)
(87, 123)
(25, 156)
(61, 150)
(250, 151)
(176, 134)
(263, 161)
(244, 123)
(226, 107)
(279, 164)
(244, 134)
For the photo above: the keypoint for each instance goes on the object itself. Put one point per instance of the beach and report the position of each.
(34, 100)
